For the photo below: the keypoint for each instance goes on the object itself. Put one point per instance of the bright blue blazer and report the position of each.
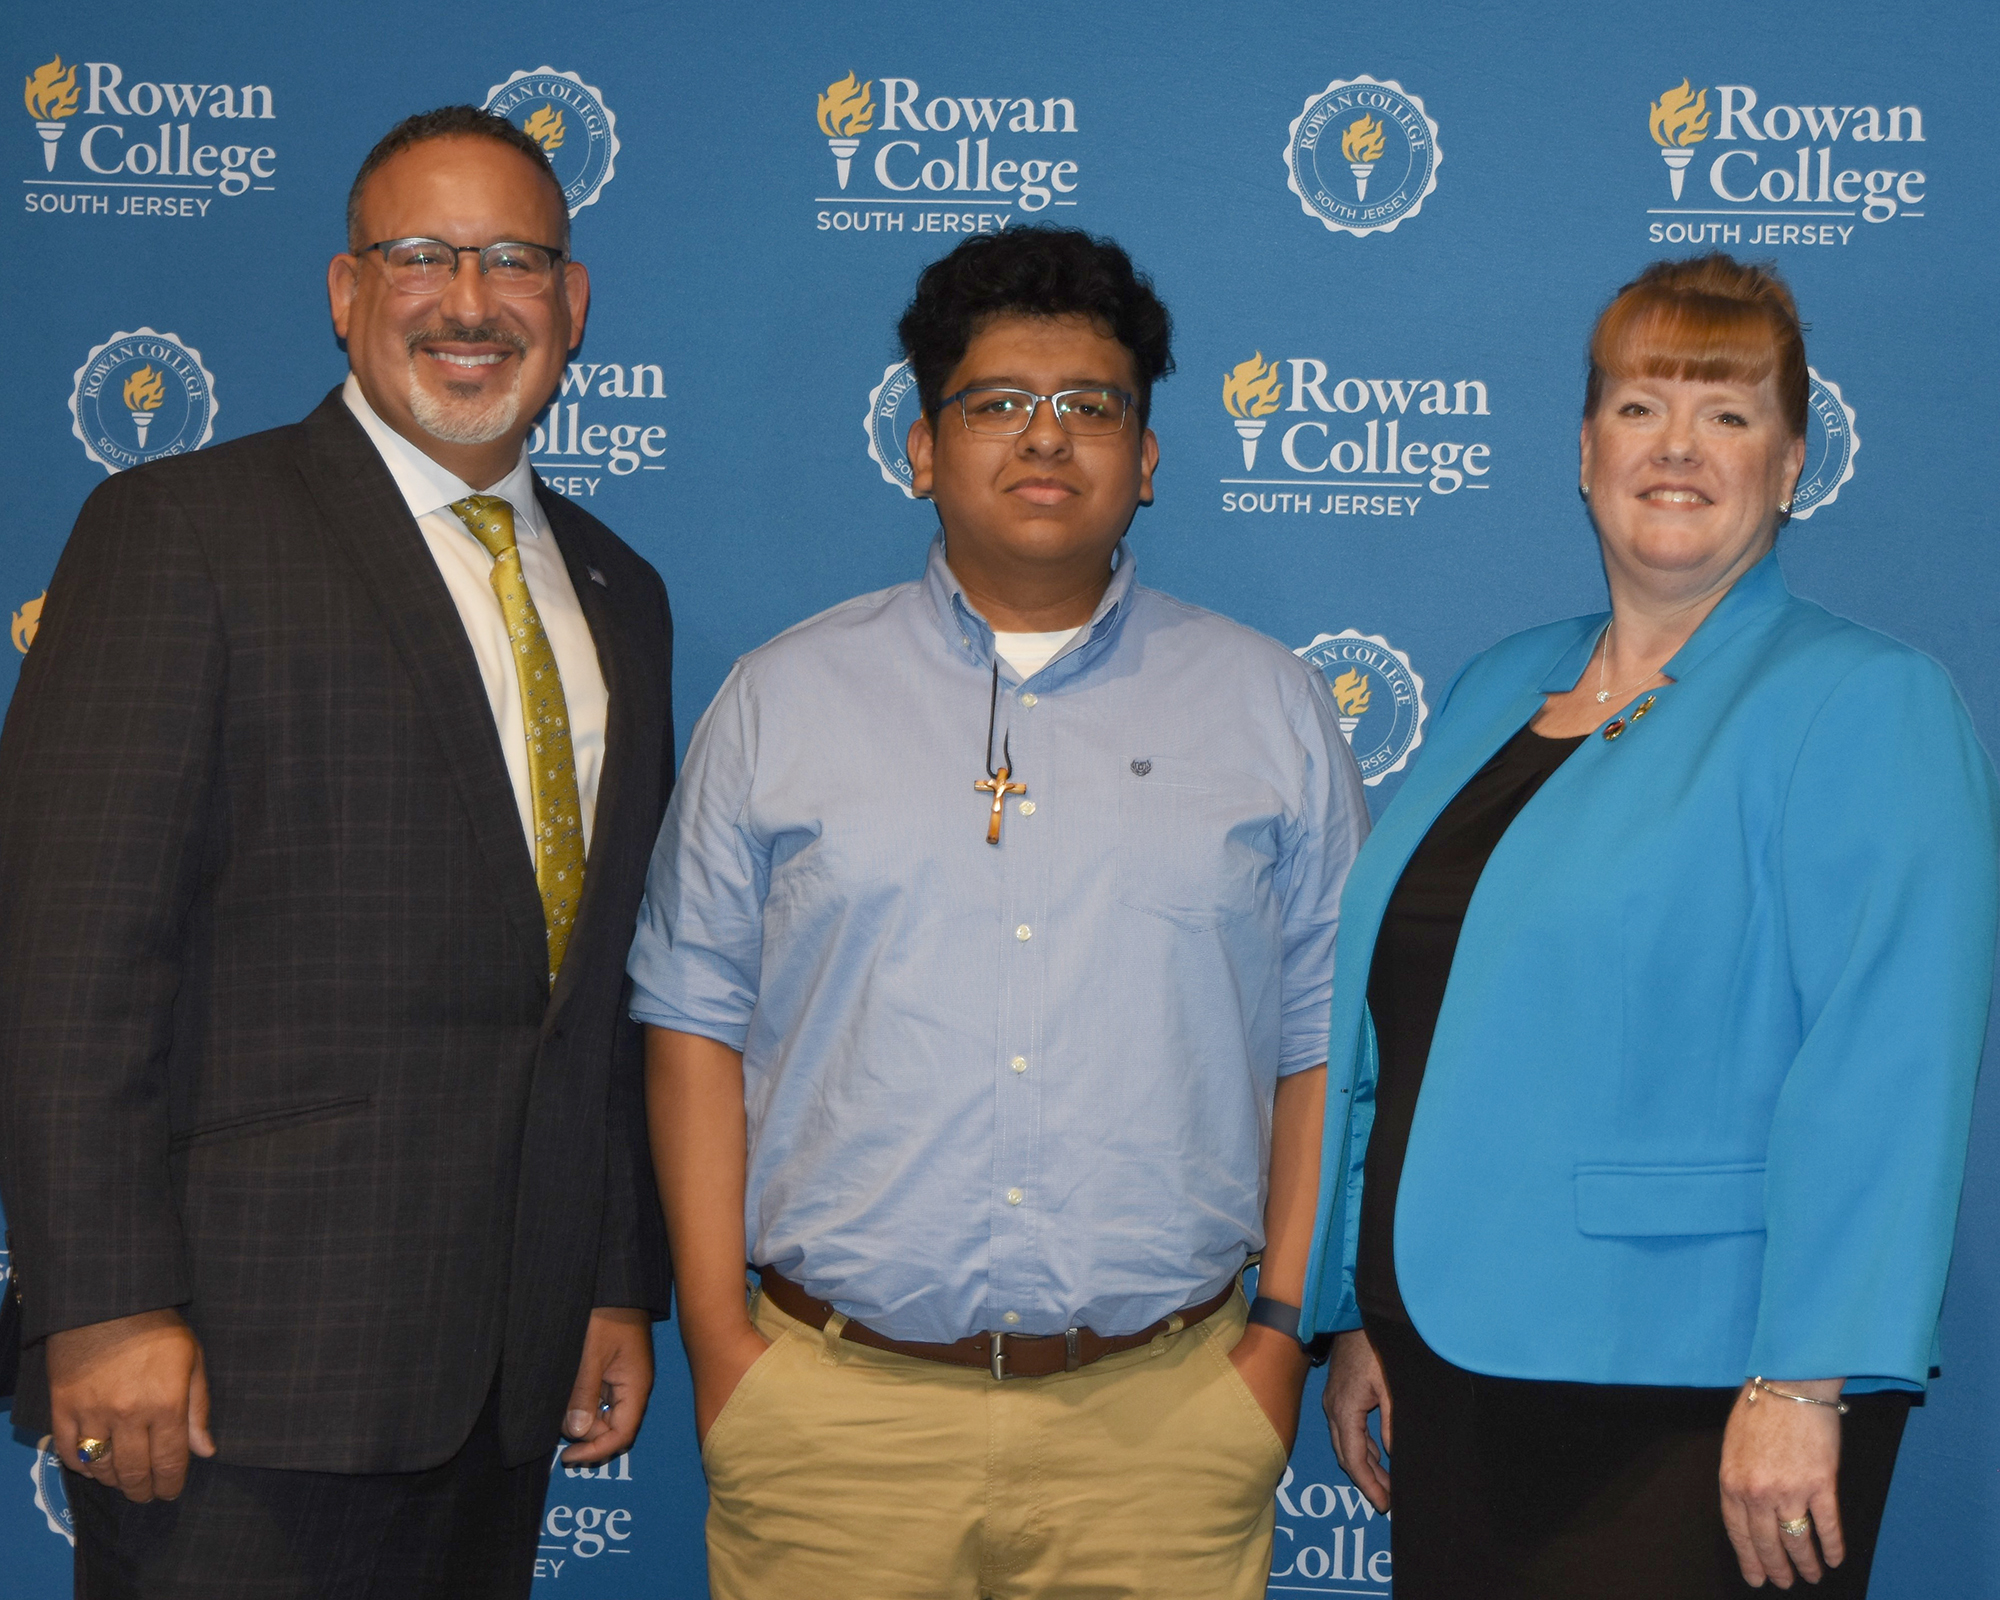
(1698, 1099)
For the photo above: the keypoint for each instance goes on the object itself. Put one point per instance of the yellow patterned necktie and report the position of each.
(551, 761)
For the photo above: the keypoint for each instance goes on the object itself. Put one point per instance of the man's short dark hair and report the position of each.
(444, 123)
(1035, 272)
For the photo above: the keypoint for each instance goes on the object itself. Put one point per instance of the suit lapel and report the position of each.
(608, 636)
(372, 524)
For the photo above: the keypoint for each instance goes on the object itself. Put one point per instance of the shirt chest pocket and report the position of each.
(1196, 841)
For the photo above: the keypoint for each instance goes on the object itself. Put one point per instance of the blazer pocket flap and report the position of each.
(1669, 1202)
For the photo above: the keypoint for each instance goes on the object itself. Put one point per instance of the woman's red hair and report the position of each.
(1709, 319)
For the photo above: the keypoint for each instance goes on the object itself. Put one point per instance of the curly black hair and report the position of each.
(447, 122)
(1037, 272)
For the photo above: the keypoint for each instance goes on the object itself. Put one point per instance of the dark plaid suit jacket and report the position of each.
(276, 1045)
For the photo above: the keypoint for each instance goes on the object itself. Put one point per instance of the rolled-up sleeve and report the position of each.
(698, 953)
(1328, 822)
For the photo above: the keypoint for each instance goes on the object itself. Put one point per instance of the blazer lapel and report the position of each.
(372, 524)
(607, 634)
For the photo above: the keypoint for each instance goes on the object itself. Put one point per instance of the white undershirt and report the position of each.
(463, 562)
(1028, 653)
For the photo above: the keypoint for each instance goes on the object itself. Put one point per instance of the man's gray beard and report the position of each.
(463, 421)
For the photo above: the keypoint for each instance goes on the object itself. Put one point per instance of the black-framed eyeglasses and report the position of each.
(1084, 413)
(424, 266)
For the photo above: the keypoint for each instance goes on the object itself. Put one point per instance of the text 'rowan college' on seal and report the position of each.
(570, 121)
(1831, 443)
(1362, 156)
(1377, 695)
(893, 404)
(141, 396)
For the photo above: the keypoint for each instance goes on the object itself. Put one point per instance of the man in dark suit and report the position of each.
(325, 802)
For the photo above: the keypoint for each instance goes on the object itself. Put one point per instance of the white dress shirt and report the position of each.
(463, 562)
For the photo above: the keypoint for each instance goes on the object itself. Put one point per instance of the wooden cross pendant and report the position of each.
(1000, 788)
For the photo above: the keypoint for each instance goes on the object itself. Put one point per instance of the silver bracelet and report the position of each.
(1759, 1386)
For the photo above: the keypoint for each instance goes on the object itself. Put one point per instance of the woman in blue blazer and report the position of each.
(1635, 1229)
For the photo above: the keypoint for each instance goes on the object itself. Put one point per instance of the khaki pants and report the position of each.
(840, 1471)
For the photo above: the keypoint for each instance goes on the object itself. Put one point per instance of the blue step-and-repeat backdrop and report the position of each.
(1384, 231)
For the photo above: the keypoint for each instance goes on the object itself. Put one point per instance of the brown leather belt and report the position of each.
(1005, 1355)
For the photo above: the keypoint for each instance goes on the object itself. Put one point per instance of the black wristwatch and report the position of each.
(1284, 1318)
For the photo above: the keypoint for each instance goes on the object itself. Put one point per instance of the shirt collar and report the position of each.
(973, 636)
(428, 487)
(1761, 589)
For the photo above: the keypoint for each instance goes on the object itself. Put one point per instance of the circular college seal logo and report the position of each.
(1363, 156)
(1379, 698)
(893, 405)
(140, 396)
(1830, 446)
(570, 121)
(45, 1469)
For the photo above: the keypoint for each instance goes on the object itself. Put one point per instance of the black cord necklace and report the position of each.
(995, 782)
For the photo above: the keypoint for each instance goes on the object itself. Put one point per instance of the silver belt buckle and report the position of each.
(997, 1359)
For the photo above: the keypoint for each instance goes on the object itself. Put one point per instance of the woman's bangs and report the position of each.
(1699, 338)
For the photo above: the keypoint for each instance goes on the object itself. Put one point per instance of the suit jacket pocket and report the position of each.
(1652, 1202)
(252, 1124)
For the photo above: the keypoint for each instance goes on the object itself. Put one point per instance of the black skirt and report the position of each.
(1504, 1489)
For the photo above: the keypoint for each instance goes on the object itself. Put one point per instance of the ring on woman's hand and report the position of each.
(92, 1451)
(1797, 1528)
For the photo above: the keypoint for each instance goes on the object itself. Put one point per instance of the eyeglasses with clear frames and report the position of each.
(1084, 413)
(424, 266)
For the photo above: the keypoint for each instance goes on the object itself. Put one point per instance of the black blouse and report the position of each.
(1406, 982)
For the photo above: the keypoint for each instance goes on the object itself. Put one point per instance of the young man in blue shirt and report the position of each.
(986, 961)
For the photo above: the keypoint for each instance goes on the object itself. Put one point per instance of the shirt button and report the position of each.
(1024, 933)
(1014, 1197)
(1027, 808)
(1027, 699)
(1019, 1063)
(1010, 1317)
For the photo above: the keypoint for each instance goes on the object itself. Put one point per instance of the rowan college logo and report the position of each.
(1679, 121)
(893, 404)
(1831, 443)
(570, 121)
(27, 622)
(1377, 696)
(846, 109)
(51, 96)
(1251, 391)
(141, 396)
(1369, 140)
(45, 1472)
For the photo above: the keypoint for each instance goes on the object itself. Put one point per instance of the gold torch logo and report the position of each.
(847, 108)
(1350, 699)
(27, 620)
(145, 393)
(1362, 145)
(545, 127)
(51, 96)
(1250, 393)
(1679, 119)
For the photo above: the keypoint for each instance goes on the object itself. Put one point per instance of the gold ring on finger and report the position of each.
(1797, 1528)
(92, 1451)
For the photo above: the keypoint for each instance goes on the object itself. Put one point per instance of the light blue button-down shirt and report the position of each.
(1026, 1086)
